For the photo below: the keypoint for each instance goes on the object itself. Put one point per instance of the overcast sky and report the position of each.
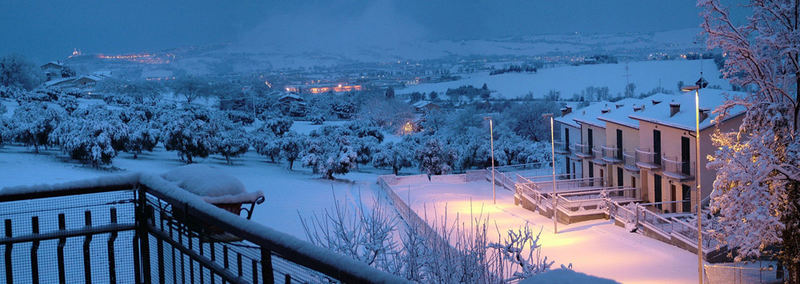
(50, 29)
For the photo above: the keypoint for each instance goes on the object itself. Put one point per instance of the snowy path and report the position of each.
(595, 247)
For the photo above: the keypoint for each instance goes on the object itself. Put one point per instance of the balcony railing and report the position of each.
(630, 161)
(581, 150)
(142, 229)
(647, 159)
(612, 154)
(560, 147)
(674, 168)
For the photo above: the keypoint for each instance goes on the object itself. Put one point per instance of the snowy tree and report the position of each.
(434, 158)
(291, 147)
(144, 130)
(266, 143)
(278, 125)
(93, 135)
(33, 122)
(126, 92)
(232, 142)
(330, 152)
(394, 155)
(191, 132)
(16, 71)
(762, 53)
(190, 87)
(68, 103)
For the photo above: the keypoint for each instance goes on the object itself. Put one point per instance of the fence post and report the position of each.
(34, 250)
(267, 274)
(142, 232)
(62, 225)
(9, 271)
(112, 273)
(87, 261)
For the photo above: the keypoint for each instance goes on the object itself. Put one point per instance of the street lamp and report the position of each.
(491, 140)
(700, 84)
(553, 157)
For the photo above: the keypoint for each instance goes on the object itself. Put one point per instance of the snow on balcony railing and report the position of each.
(630, 160)
(612, 153)
(677, 169)
(581, 150)
(648, 158)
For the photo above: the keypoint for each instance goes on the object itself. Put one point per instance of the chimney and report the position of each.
(704, 113)
(655, 102)
(619, 105)
(674, 108)
(605, 110)
(566, 110)
(638, 108)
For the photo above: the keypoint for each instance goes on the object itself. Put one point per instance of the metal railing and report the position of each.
(654, 221)
(612, 154)
(630, 160)
(647, 157)
(592, 201)
(678, 169)
(143, 229)
(689, 233)
(743, 273)
(560, 147)
(581, 150)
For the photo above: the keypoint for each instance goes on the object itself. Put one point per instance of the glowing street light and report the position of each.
(491, 141)
(553, 157)
(700, 84)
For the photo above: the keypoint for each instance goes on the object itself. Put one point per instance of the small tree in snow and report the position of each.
(191, 132)
(330, 153)
(278, 126)
(16, 71)
(33, 122)
(434, 158)
(144, 131)
(291, 147)
(93, 135)
(396, 156)
(266, 143)
(232, 142)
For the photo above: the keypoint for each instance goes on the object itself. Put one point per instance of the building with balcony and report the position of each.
(666, 154)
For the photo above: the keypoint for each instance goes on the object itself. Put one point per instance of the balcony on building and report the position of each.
(676, 169)
(581, 150)
(630, 161)
(647, 159)
(560, 147)
(611, 154)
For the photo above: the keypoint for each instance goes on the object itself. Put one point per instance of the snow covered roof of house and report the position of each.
(627, 107)
(52, 64)
(685, 117)
(58, 81)
(290, 96)
(89, 77)
(421, 104)
(591, 111)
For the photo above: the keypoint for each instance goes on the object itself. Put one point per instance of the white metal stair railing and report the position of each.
(689, 233)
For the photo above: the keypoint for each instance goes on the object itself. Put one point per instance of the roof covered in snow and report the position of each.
(588, 112)
(710, 99)
(623, 109)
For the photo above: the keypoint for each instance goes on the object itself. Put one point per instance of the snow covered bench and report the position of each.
(215, 187)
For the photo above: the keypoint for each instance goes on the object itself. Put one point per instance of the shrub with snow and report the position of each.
(232, 142)
(291, 146)
(330, 152)
(434, 158)
(394, 155)
(93, 135)
(191, 132)
(266, 143)
(32, 123)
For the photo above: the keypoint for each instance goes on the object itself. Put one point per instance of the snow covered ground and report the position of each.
(569, 80)
(596, 247)
(287, 192)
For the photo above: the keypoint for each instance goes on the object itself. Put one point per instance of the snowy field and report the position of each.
(597, 247)
(569, 80)
(287, 192)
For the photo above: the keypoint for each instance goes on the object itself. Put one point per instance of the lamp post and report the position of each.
(553, 161)
(696, 89)
(491, 141)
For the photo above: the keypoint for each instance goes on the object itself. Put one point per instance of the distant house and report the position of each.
(425, 106)
(292, 104)
(52, 69)
(86, 81)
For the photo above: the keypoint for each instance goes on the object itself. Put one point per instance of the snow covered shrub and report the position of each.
(93, 135)
(394, 155)
(68, 103)
(278, 125)
(363, 129)
(32, 123)
(191, 132)
(265, 143)
(232, 141)
(330, 152)
(434, 158)
(513, 249)
(144, 129)
(317, 119)
(240, 117)
(291, 147)
(17, 71)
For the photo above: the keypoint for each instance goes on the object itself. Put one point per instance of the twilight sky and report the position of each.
(49, 29)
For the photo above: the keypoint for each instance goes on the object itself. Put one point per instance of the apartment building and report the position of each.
(571, 146)
(647, 144)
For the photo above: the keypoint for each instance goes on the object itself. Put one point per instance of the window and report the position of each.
(657, 189)
(657, 147)
(686, 198)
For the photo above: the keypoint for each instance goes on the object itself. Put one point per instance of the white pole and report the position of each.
(553, 160)
(491, 140)
(697, 178)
